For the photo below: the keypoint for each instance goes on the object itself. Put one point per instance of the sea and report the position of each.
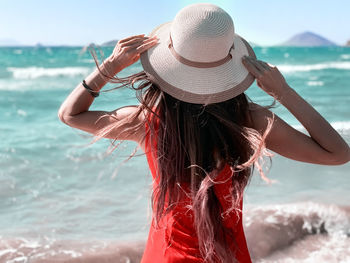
(66, 199)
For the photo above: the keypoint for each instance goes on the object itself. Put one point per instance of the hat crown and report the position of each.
(202, 33)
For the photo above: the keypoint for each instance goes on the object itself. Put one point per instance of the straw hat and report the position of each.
(199, 56)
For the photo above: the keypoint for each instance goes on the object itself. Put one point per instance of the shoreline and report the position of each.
(273, 233)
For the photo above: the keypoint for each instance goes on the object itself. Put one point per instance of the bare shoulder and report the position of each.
(131, 119)
(260, 117)
(128, 114)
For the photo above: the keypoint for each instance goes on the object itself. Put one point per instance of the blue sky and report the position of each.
(78, 22)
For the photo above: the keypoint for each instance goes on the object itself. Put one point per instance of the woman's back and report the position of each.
(174, 238)
(200, 158)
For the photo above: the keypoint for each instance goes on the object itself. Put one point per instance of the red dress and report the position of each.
(175, 240)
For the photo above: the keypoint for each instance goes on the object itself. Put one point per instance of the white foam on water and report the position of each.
(34, 84)
(21, 259)
(18, 51)
(30, 244)
(88, 60)
(71, 253)
(315, 83)
(275, 233)
(6, 251)
(264, 50)
(345, 65)
(21, 113)
(289, 233)
(340, 126)
(345, 56)
(17, 250)
(48, 50)
(38, 72)
(317, 248)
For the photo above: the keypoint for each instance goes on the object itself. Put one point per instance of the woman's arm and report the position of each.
(74, 111)
(323, 146)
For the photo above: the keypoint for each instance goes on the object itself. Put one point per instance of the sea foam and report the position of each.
(315, 83)
(296, 232)
(340, 126)
(342, 65)
(38, 72)
(345, 56)
(275, 228)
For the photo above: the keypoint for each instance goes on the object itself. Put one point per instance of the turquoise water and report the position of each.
(55, 186)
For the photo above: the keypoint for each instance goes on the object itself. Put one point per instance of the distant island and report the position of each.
(110, 43)
(308, 39)
(348, 43)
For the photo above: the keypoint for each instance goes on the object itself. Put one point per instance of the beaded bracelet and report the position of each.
(93, 93)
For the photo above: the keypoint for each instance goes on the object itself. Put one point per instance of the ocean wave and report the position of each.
(315, 83)
(298, 232)
(18, 51)
(25, 250)
(345, 56)
(38, 72)
(36, 84)
(340, 126)
(343, 65)
(275, 228)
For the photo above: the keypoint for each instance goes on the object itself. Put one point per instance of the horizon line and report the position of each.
(40, 44)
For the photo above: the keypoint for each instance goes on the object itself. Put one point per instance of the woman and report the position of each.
(200, 134)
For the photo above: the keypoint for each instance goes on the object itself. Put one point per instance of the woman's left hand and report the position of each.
(268, 77)
(127, 51)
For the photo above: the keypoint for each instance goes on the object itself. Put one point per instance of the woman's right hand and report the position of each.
(268, 77)
(127, 51)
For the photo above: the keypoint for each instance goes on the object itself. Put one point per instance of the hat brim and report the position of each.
(193, 84)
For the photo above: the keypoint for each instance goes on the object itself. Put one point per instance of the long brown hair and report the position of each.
(194, 143)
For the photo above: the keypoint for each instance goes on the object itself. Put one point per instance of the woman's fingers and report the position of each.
(251, 67)
(265, 65)
(133, 41)
(130, 38)
(133, 51)
(259, 64)
(147, 44)
(268, 76)
(141, 46)
(256, 67)
(128, 50)
(135, 44)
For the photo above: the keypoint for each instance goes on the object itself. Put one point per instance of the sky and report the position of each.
(80, 22)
